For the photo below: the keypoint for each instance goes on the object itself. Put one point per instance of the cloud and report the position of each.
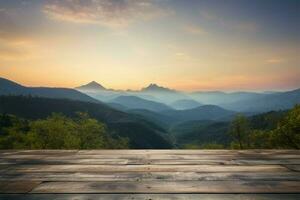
(110, 13)
(14, 47)
(195, 30)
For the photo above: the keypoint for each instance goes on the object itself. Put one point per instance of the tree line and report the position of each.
(286, 135)
(57, 132)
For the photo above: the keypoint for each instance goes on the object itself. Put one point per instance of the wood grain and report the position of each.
(150, 197)
(170, 187)
(150, 174)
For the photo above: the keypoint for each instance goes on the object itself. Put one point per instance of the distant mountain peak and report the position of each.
(93, 85)
(153, 87)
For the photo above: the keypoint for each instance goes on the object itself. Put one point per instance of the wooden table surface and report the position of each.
(150, 174)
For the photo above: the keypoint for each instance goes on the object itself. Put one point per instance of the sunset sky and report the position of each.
(182, 44)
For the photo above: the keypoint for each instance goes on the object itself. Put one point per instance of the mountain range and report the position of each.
(184, 104)
(249, 102)
(157, 98)
(153, 116)
(134, 102)
(8, 87)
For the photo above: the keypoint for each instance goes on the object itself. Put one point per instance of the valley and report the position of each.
(155, 116)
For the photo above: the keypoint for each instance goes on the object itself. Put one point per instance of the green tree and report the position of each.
(92, 134)
(60, 132)
(12, 132)
(261, 139)
(287, 133)
(239, 130)
(55, 132)
(14, 139)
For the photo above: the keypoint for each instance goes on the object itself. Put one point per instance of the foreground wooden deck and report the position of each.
(150, 174)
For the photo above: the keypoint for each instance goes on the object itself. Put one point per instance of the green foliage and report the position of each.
(141, 133)
(260, 139)
(55, 132)
(72, 130)
(239, 129)
(267, 121)
(191, 146)
(287, 133)
(212, 145)
(59, 132)
(12, 130)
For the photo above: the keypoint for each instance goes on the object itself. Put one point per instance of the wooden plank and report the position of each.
(72, 156)
(188, 151)
(41, 151)
(170, 187)
(195, 156)
(4, 166)
(159, 152)
(21, 156)
(150, 196)
(113, 161)
(17, 186)
(148, 168)
(149, 176)
(150, 171)
(265, 161)
(176, 157)
(58, 161)
(293, 167)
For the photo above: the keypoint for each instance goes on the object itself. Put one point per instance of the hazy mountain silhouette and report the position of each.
(237, 101)
(134, 102)
(266, 102)
(156, 117)
(184, 104)
(156, 88)
(162, 94)
(218, 98)
(8, 87)
(169, 118)
(117, 106)
(93, 86)
(206, 112)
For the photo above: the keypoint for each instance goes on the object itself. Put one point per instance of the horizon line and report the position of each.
(147, 85)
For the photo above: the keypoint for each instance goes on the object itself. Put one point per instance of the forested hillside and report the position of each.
(141, 133)
(24, 120)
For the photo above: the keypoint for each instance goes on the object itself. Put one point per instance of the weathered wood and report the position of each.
(150, 171)
(170, 187)
(133, 161)
(187, 151)
(150, 196)
(148, 168)
(156, 156)
(148, 176)
(17, 186)
(159, 151)
(293, 167)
